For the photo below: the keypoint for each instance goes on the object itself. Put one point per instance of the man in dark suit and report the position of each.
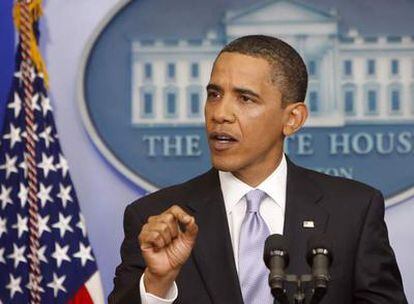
(185, 244)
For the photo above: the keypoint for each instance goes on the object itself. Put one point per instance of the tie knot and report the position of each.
(253, 199)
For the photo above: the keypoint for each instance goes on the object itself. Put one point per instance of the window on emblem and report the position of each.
(148, 71)
(148, 104)
(195, 70)
(313, 102)
(348, 68)
(171, 71)
(171, 104)
(195, 104)
(349, 102)
(312, 68)
(395, 100)
(412, 98)
(371, 67)
(372, 101)
(395, 67)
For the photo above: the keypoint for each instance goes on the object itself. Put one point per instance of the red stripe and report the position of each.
(81, 297)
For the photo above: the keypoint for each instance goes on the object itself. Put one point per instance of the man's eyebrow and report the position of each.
(246, 91)
(215, 87)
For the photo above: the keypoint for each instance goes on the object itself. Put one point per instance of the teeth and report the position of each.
(221, 137)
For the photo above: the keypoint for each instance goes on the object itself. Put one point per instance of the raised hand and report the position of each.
(165, 247)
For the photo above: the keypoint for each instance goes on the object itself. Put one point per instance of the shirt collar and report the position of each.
(274, 185)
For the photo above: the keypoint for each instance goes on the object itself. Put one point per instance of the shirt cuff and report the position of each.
(148, 298)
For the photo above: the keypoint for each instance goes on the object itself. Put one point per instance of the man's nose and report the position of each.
(224, 111)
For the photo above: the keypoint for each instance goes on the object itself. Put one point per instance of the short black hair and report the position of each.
(287, 67)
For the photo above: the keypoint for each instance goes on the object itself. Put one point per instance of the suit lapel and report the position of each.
(213, 252)
(304, 215)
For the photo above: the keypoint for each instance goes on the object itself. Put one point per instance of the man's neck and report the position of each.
(256, 175)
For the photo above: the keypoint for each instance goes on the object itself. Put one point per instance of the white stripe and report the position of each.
(94, 287)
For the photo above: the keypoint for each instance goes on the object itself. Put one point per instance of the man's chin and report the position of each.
(225, 166)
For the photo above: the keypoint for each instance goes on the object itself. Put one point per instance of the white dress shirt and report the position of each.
(272, 210)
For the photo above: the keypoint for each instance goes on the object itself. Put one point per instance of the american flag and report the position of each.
(68, 270)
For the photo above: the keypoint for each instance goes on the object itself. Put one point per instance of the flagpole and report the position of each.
(26, 36)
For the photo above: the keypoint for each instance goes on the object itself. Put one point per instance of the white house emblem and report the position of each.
(142, 92)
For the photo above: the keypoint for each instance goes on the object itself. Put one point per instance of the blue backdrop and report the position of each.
(103, 192)
(6, 52)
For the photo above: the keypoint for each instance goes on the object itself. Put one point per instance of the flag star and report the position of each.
(44, 194)
(13, 136)
(35, 103)
(46, 164)
(22, 195)
(33, 74)
(5, 196)
(30, 285)
(40, 75)
(23, 166)
(47, 136)
(18, 74)
(16, 105)
(18, 255)
(64, 194)
(42, 222)
(14, 285)
(57, 284)
(2, 260)
(81, 224)
(45, 102)
(62, 164)
(63, 224)
(40, 254)
(84, 254)
(9, 165)
(3, 226)
(21, 225)
(60, 254)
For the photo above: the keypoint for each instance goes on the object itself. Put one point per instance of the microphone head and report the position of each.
(275, 244)
(319, 244)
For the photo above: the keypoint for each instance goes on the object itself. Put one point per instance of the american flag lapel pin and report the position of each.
(308, 224)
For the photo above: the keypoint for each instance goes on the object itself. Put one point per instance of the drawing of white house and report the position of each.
(353, 79)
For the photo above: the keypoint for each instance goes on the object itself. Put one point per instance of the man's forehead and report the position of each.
(240, 57)
(241, 68)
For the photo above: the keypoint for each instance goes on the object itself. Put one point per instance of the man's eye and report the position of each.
(212, 95)
(245, 98)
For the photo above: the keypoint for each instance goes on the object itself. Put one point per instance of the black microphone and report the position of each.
(276, 258)
(319, 257)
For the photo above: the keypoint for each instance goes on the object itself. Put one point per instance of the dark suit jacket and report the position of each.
(364, 268)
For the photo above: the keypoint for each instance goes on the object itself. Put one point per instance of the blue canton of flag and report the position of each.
(67, 264)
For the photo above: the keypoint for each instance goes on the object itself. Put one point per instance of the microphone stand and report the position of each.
(300, 281)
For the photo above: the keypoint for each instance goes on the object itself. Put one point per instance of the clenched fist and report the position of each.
(165, 247)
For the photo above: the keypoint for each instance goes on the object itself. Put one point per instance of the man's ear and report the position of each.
(295, 117)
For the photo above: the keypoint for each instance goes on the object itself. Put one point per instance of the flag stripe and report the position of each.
(81, 297)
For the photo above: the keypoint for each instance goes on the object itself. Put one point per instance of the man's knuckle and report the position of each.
(176, 209)
(169, 217)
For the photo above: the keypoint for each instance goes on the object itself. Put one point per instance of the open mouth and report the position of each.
(221, 140)
(223, 137)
